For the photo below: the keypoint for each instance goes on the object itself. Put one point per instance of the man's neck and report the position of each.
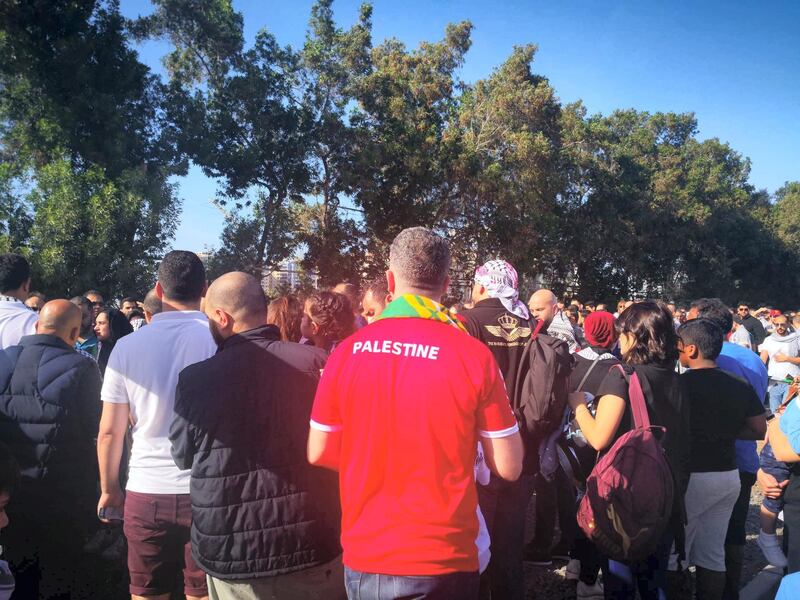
(702, 363)
(402, 291)
(17, 294)
(168, 305)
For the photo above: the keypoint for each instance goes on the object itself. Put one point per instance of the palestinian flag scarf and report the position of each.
(409, 305)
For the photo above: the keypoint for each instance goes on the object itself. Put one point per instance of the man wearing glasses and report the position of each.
(752, 325)
(97, 301)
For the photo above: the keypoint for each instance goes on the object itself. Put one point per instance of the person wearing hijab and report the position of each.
(109, 325)
(501, 321)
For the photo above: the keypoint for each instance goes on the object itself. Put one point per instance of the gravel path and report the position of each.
(549, 583)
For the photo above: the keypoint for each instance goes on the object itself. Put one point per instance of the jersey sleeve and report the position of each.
(326, 413)
(495, 418)
(114, 389)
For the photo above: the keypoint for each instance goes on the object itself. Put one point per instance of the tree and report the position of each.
(405, 151)
(82, 122)
(238, 118)
(505, 181)
(332, 64)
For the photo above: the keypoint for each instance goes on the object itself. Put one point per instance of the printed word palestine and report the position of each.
(397, 349)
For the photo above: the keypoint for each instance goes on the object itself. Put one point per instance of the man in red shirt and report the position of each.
(399, 411)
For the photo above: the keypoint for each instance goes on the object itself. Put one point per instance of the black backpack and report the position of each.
(542, 386)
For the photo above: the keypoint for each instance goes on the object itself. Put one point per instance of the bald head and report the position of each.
(62, 319)
(235, 302)
(543, 305)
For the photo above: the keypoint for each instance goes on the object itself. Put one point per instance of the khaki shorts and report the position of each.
(323, 582)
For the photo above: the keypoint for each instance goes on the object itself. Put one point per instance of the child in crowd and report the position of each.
(9, 480)
(722, 409)
(327, 319)
(771, 507)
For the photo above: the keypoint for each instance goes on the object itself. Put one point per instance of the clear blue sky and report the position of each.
(736, 65)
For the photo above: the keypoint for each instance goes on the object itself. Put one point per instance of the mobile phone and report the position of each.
(111, 514)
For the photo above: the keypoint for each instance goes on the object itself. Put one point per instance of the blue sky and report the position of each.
(736, 65)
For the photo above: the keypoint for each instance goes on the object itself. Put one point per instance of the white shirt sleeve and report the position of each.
(114, 389)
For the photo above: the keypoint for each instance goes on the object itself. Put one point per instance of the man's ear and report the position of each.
(445, 286)
(74, 334)
(390, 282)
(691, 351)
(26, 286)
(159, 290)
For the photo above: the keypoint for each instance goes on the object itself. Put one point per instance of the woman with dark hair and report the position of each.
(649, 346)
(109, 326)
(286, 312)
(327, 319)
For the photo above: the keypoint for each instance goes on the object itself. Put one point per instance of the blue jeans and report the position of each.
(620, 579)
(777, 392)
(372, 586)
(779, 470)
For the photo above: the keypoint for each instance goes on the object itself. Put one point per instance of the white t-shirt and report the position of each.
(790, 346)
(143, 371)
(16, 320)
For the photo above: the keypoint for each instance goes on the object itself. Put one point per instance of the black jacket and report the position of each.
(49, 416)
(241, 425)
(755, 329)
(504, 333)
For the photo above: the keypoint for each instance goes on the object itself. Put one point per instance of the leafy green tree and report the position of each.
(505, 179)
(333, 62)
(86, 154)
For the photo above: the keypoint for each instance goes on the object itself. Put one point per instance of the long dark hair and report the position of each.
(286, 312)
(653, 331)
(120, 327)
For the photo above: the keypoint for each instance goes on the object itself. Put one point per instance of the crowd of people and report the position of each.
(373, 443)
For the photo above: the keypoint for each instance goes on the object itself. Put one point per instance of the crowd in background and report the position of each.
(211, 422)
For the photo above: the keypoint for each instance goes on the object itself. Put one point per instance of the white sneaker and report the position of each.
(573, 571)
(768, 542)
(589, 592)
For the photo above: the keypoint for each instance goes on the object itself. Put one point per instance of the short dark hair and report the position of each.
(379, 288)
(136, 313)
(182, 276)
(14, 271)
(9, 471)
(128, 299)
(152, 303)
(38, 295)
(714, 310)
(92, 292)
(421, 258)
(653, 331)
(747, 304)
(705, 334)
(81, 301)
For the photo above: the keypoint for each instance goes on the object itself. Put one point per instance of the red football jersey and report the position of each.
(411, 398)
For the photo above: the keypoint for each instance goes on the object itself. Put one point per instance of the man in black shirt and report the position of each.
(752, 325)
(503, 323)
(722, 408)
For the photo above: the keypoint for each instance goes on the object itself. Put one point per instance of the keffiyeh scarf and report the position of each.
(501, 282)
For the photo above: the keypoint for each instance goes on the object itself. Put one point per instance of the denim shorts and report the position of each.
(779, 470)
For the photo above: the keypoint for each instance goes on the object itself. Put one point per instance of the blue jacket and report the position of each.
(49, 416)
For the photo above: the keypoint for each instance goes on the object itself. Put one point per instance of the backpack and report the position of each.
(542, 386)
(628, 500)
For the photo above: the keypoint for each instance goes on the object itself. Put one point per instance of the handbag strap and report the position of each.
(588, 372)
(638, 406)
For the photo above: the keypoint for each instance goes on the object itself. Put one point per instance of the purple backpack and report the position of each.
(628, 500)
